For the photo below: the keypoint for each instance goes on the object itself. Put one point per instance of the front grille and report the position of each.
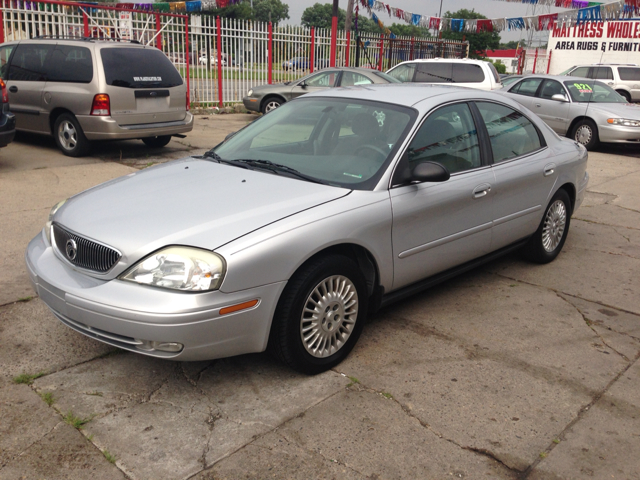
(84, 253)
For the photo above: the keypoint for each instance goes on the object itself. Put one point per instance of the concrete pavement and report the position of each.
(513, 370)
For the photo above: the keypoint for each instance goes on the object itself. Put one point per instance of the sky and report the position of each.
(489, 8)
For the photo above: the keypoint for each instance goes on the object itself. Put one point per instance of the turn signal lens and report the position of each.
(238, 307)
(101, 105)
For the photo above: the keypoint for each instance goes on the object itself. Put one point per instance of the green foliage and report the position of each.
(240, 11)
(75, 422)
(409, 30)
(48, 398)
(109, 457)
(478, 42)
(319, 16)
(500, 67)
(270, 10)
(26, 378)
(512, 45)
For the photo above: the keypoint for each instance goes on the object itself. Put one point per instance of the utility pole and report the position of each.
(347, 20)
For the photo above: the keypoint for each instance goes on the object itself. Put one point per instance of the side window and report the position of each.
(527, 87)
(352, 78)
(511, 134)
(28, 63)
(5, 55)
(629, 73)
(551, 88)
(580, 72)
(448, 137)
(434, 72)
(325, 79)
(467, 73)
(404, 73)
(70, 64)
(601, 73)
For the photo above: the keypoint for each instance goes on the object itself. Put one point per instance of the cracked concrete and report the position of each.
(510, 371)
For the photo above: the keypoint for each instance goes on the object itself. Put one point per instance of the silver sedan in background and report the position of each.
(585, 110)
(265, 98)
(289, 233)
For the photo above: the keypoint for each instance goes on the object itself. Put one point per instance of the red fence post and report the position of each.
(313, 49)
(186, 34)
(2, 25)
(219, 56)
(158, 28)
(346, 55)
(549, 61)
(334, 40)
(535, 61)
(381, 52)
(85, 21)
(270, 48)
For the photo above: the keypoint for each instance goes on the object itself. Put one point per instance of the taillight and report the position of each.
(5, 94)
(101, 105)
(188, 106)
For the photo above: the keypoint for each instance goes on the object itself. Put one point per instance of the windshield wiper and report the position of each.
(213, 155)
(276, 167)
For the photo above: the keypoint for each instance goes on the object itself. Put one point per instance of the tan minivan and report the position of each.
(80, 90)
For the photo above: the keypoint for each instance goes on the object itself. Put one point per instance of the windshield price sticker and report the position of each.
(583, 87)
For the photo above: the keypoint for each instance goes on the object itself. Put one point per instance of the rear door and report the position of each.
(524, 91)
(630, 77)
(143, 86)
(553, 112)
(25, 81)
(316, 83)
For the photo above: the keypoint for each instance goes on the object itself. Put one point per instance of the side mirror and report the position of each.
(429, 172)
(303, 84)
(558, 97)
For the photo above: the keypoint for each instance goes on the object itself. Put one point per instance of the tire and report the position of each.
(157, 142)
(329, 284)
(625, 94)
(585, 133)
(271, 103)
(69, 136)
(545, 245)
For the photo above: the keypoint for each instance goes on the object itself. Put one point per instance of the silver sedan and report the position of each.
(585, 110)
(288, 234)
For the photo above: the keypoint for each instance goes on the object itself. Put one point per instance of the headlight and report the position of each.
(179, 268)
(47, 226)
(250, 93)
(625, 122)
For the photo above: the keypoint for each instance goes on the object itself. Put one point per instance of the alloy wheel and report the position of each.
(555, 222)
(68, 135)
(272, 105)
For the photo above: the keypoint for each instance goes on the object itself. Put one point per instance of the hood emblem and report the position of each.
(71, 249)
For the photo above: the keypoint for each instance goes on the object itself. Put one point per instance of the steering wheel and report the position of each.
(371, 147)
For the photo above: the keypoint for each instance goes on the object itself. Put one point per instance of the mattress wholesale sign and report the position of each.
(594, 42)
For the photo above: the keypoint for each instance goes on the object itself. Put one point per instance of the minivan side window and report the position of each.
(511, 133)
(467, 73)
(70, 64)
(28, 62)
(580, 72)
(404, 73)
(434, 72)
(5, 55)
(601, 73)
(629, 73)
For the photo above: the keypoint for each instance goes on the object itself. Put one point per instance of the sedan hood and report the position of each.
(187, 202)
(617, 110)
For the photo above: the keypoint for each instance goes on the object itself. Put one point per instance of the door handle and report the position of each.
(610, 83)
(13, 89)
(481, 190)
(538, 105)
(549, 169)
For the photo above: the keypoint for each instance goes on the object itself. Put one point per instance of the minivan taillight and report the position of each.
(101, 105)
(5, 95)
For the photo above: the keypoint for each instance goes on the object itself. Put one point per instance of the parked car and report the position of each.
(624, 78)
(302, 63)
(332, 205)
(265, 98)
(462, 72)
(585, 110)
(213, 60)
(7, 119)
(80, 90)
(508, 80)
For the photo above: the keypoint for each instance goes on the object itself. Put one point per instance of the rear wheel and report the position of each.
(69, 136)
(320, 314)
(157, 142)
(625, 94)
(585, 133)
(545, 245)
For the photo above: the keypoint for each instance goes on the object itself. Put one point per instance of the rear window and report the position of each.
(627, 73)
(138, 68)
(439, 72)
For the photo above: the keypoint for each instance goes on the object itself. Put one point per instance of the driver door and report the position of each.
(315, 83)
(437, 226)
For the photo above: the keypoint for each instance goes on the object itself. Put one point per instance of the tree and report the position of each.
(319, 16)
(478, 42)
(240, 11)
(409, 30)
(270, 10)
(500, 67)
(512, 45)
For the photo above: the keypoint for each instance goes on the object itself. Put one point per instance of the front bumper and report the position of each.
(106, 128)
(251, 103)
(7, 129)
(617, 134)
(118, 312)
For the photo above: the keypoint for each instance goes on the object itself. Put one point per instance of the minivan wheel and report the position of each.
(69, 136)
(320, 314)
(625, 94)
(545, 245)
(157, 142)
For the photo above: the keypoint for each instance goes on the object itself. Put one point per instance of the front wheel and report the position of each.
(585, 133)
(157, 142)
(69, 136)
(320, 315)
(545, 245)
(271, 103)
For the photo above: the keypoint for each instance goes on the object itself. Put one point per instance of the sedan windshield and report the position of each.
(341, 142)
(582, 90)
